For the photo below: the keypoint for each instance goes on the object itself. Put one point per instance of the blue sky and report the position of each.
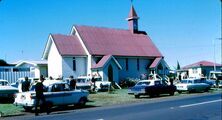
(183, 30)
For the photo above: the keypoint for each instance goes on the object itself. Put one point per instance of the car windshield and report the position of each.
(81, 80)
(143, 83)
(98, 79)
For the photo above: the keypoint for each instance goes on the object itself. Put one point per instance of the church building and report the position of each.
(113, 54)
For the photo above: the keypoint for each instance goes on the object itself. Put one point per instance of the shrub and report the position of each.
(128, 82)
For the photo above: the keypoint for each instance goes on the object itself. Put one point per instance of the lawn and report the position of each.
(7, 109)
(111, 98)
(97, 100)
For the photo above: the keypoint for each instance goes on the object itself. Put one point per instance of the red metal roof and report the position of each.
(68, 45)
(155, 63)
(201, 63)
(102, 62)
(117, 42)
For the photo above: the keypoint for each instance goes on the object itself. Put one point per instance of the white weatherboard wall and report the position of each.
(195, 72)
(132, 71)
(42, 71)
(54, 62)
(67, 63)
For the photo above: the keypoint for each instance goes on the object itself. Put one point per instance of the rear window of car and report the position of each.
(59, 87)
(32, 88)
(186, 81)
(143, 83)
(157, 82)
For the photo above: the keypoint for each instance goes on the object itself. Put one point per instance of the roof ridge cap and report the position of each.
(103, 27)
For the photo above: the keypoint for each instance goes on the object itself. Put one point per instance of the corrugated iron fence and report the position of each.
(13, 76)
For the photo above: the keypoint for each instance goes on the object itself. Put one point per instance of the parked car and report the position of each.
(57, 92)
(84, 83)
(219, 83)
(192, 85)
(7, 91)
(215, 75)
(151, 88)
(101, 85)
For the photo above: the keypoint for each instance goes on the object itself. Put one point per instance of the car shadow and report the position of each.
(159, 96)
(6, 101)
(63, 109)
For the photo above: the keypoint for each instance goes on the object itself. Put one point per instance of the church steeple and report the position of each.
(133, 20)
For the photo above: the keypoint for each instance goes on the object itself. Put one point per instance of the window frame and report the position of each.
(74, 64)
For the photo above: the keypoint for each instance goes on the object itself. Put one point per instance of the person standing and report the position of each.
(94, 83)
(72, 83)
(39, 89)
(25, 85)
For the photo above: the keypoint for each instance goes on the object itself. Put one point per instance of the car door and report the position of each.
(157, 88)
(57, 94)
(165, 88)
(198, 85)
(68, 95)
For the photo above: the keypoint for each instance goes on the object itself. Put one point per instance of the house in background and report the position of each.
(113, 54)
(199, 69)
(37, 68)
(21, 69)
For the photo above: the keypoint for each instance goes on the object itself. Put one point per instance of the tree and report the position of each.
(178, 66)
(3, 63)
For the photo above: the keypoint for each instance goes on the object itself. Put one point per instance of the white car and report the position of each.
(102, 85)
(99, 84)
(84, 83)
(57, 93)
(192, 85)
(7, 91)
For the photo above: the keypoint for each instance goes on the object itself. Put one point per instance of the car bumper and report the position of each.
(24, 104)
(140, 92)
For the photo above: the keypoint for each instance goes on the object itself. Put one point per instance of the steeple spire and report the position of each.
(133, 20)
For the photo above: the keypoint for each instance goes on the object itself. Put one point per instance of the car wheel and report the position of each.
(151, 95)
(172, 93)
(27, 109)
(206, 90)
(82, 102)
(179, 92)
(137, 96)
(49, 104)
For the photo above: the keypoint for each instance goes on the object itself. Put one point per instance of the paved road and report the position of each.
(200, 107)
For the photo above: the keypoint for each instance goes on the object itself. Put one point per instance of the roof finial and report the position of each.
(133, 19)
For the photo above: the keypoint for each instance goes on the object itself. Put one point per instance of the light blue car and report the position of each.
(192, 85)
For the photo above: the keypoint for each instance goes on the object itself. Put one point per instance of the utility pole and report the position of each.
(221, 33)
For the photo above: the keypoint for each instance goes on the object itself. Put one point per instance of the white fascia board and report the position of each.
(25, 62)
(117, 63)
(47, 48)
(165, 64)
(82, 56)
(74, 31)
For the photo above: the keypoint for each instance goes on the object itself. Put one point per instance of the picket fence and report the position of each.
(13, 76)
